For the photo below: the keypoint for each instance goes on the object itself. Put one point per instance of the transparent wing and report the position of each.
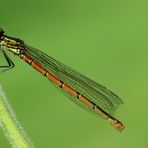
(97, 93)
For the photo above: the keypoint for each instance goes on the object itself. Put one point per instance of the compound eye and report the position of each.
(1, 31)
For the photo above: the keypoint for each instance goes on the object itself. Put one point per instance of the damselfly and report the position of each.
(80, 89)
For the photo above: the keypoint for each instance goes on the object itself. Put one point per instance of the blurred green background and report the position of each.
(105, 40)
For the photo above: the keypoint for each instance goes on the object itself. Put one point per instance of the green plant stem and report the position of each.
(12, 129)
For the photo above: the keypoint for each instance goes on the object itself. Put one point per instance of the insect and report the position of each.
(80, 89)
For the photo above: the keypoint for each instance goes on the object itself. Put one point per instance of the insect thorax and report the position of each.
(14, 45)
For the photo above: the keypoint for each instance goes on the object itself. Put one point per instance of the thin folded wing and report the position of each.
(95, 92)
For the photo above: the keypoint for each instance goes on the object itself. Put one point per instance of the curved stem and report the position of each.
(12, 128)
